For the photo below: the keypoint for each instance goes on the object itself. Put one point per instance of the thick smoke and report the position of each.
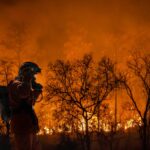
(58, 29)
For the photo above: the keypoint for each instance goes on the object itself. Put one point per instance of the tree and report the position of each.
(6, 71)
(80, 87)
(106, 129)
(140, 68)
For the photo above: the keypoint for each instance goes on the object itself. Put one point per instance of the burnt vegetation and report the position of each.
(77, 110)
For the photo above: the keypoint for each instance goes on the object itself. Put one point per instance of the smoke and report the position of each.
(68, 29)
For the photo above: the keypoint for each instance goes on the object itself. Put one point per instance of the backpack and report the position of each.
(4, 103)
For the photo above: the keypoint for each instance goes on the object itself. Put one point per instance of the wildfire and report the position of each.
(106, 124)
(45, 130)
(131, 123)
(106, 128)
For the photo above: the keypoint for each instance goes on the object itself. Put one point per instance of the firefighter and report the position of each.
(22, 97)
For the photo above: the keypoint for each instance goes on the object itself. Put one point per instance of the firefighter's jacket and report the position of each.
(21, 100)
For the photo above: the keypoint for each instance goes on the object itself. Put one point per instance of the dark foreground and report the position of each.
(63, 142)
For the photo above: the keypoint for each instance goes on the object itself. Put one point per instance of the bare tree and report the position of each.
(80, 87)
(140, 67)
(6, 71)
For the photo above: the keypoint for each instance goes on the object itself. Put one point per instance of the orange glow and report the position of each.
(104, 126)
(43, 31)
(45, 130)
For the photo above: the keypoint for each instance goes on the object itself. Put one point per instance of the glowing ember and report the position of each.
(129, 124)
(132, 123)
(45, 130)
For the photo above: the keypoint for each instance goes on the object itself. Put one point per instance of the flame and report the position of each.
(82, 125)
(132, 123)
(45, 130)
(105, 125)
(129, 124)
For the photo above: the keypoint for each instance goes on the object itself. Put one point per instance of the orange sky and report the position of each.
(64, 29)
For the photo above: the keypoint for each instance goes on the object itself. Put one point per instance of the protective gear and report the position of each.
(32, 66)
(26, 73)
(22, 95)
(21, 99)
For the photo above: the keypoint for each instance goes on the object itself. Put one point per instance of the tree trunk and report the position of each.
(87, 136)
(144, 138)
(98, 120)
